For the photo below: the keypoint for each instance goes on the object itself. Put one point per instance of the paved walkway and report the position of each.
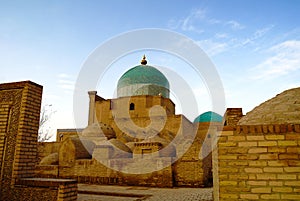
(131, 193)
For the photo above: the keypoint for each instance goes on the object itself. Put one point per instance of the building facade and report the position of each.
(135, 139)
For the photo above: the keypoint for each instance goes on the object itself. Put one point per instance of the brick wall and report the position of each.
(257, 163)
(194, 168)
(63, 134)
(46, 148)
(35, 189)
(20, 104)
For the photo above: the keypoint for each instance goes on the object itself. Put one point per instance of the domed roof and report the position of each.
(281, 109)
(143, 74)
(143, 80)
(208, 117)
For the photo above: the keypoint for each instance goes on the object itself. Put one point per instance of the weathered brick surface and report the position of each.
(279, 110)
(256, 165)
(193, 169)
(19, 122)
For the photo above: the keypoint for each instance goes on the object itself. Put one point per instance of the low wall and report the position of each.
(93, 172)
(35, 189)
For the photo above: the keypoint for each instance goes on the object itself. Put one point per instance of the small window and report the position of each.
(111, 105)
(131, 106)
(146, 152)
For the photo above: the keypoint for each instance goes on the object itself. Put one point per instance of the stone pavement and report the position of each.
(131, 193)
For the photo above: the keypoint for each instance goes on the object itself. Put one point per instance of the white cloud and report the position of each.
(65, 82)
(234, 25)
(63, 75)
(221, 35)
(197, 18)
(213, 21)
(211, 47)
(256, 35)
(188, 23)
(285, 59)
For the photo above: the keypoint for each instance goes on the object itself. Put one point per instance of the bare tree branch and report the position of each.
(44, 129)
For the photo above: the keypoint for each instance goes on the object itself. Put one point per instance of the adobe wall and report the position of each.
(257, 163)
(46, 148)
(36, 189)
(194, 168)
(63, 134)
(94, 172)
(105, 110)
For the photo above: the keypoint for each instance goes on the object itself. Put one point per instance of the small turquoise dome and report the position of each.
(209, 117)
(143, 80)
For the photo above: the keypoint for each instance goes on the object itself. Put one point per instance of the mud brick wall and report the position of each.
(63, 134)
(67, 192)
(232, 116)
(33, 194)
(258, 162)
(20, 104)
(46, 148)
(194, 168)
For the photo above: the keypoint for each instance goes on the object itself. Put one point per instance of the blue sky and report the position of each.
(254, 44)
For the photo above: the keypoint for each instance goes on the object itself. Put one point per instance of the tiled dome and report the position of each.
(143, 80)
(208, 117)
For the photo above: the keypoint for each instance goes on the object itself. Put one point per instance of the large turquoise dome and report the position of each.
(143, 80)
(208, 117)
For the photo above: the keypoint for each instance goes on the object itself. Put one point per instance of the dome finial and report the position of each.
(144, 61)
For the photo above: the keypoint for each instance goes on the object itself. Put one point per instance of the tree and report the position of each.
(44, 129)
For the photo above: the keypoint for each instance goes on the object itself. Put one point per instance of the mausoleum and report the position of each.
(135, 138)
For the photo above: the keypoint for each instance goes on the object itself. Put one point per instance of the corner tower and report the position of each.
(143, 80)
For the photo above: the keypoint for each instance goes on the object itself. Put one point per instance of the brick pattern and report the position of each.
(283, 108)
(232, 116)
(190, 170)
(33, 194)
(10, 111)
(67, 192)
(26, 140)
(53, 189)
(258, 162)
(20, 104)
(19, 121)
(63, 134)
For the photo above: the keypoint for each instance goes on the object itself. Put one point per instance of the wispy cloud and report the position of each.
(286, 59)
(256, 35)
(188, 23)
(234, 25)
(221, 35)
(198, 17)
(63, 75)
(212, 47)
(66, 82)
